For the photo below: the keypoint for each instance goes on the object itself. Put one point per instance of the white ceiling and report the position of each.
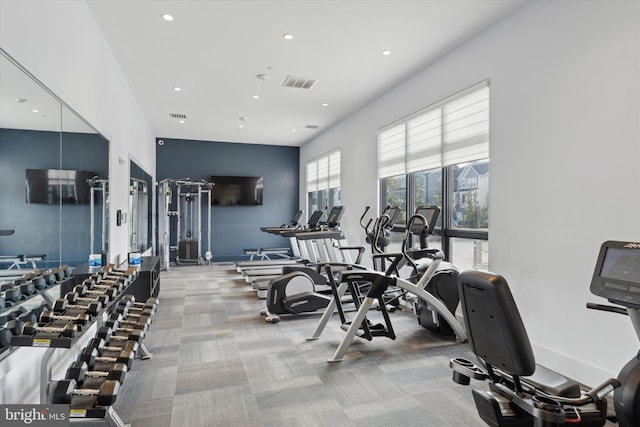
(214, 49)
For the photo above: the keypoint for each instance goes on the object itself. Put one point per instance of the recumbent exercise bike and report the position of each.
(500, 342)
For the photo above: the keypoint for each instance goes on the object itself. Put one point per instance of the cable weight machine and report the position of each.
(184, 221)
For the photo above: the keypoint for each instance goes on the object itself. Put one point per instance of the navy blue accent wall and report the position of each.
(39, 227)
(235, 228)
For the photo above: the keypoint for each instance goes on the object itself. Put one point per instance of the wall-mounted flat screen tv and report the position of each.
(56, 186)
(237, 190)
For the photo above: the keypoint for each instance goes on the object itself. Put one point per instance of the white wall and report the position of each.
(60, 44)
(565, 120)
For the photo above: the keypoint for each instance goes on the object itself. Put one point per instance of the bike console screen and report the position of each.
(617, 273)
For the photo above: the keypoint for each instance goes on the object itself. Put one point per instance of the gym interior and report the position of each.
(557, 87)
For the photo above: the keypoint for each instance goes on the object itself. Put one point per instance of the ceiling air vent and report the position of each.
(178, 116)
(311, 127)
(298, 82)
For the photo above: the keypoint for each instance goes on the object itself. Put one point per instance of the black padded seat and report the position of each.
(497, 334)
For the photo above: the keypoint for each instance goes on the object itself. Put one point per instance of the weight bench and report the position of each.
(18, 260)
(521, 393)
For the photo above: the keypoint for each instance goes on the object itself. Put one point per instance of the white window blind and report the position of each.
(324, 172)
(455, 130)
(334, 170)
(312, 176)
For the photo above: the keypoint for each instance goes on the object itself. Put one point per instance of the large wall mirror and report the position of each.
(140, 208)
(50, 159)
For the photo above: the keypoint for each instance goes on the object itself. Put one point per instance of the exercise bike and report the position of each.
(506, 359)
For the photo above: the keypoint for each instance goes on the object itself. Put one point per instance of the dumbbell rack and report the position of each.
(94, 416)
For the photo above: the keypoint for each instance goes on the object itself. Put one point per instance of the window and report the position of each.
(440, 155)
(323, 183)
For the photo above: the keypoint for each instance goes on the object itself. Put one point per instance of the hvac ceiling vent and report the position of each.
(298, 82)
(311, 127)
(178, 116)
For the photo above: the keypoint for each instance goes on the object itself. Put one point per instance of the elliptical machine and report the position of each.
(299, 289)
(379, 285)
(506, 358)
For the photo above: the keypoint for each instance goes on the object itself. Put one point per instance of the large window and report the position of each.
(440, 155)
(323, 183)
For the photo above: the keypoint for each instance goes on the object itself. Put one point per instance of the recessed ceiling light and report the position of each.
(167, 17)
(324, 104)
(287, 36)
(35, 111)
(256, 96)
(293, 130)
(240, 126)
(180, 121)
(177, 89)
(386, 52)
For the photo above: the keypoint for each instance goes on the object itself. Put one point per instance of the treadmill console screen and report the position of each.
(314, 219)
(335, 216)
(617, 273)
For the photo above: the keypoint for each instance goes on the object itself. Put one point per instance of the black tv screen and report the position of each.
(56, 186)
(237, 190)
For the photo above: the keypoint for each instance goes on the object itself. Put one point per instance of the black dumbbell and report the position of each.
(60, 274)
(26, 287)
(108, 349)
(131, 272)
(67, 270)
(104, 296)
(108, 334)
(65, 392)
(125, 307)
(62, 304)
(50, 278)
(115, 281)
(44, 306)
(79, 319)
(12, 295)
(100, 362)
(95, 281)
(79, 371)
(5, 339)
(117, 323)
(31, 328)
(19, 311)
(15, 326)
(29, 316)
(39, 282)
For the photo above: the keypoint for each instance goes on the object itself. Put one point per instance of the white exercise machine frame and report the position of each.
(182, 189)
